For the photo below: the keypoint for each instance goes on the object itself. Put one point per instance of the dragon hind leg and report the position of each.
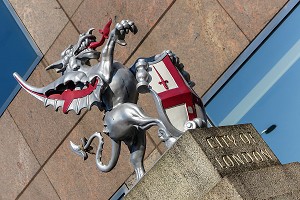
(137, 151)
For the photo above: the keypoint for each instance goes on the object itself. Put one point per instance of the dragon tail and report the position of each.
(115, 152)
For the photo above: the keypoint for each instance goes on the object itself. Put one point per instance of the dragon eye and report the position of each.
(76, 67)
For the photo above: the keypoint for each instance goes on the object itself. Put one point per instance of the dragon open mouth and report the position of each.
(86, 46)
(80, 84)
(70, 86)
(70, 95)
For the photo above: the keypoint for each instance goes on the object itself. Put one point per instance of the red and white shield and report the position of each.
(179, 101)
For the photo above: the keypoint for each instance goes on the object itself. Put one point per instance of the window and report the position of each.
(120, 193)
(262, 86)
(17, 53)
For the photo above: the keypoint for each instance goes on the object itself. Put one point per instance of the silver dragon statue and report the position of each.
(114, 89)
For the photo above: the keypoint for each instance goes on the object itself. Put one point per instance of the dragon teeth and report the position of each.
(88, 102)
(96, 92)
(59, 103)
(49, 102)
(53, 102)
(73, 105)
(77, 109)
(78, 104)
(45, 102)
(83, 102)
(77, 88)
(92, 98)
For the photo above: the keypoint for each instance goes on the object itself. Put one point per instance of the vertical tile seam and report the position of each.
(153, 142)
(69, 21)
(150, 31)
(263, 26)
(40, 166)
(133, 52)
(30, 150)
(17, 13)
(137, 47)
(233, 21)
(70, 17)
(56, 39)
(50, 156)
(51, 183)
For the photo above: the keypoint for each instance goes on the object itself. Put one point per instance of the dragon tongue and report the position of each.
(68, 101)
(94, 45)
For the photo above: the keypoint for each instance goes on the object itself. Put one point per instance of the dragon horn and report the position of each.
(31, 89)
(39, 93)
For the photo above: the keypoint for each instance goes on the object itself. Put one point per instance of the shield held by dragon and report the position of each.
(114, 89)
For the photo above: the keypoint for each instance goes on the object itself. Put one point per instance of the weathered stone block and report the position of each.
(200, 159)
(267, 182)
(234, 149)
(276, 182)
(184, 172)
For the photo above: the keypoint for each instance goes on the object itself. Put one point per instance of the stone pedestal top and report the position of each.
(201, 159)
(234, 149)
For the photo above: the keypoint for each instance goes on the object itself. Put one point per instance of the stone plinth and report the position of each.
(276, 182)
(219, 163)
(234, 149)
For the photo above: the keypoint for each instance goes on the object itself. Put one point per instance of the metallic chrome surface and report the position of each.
(142, 76)
(114, 89)
(83, 149)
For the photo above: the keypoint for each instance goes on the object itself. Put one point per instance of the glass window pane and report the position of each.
(16, 54)
(265, 91)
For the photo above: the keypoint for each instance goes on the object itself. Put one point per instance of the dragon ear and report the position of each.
(58, 66)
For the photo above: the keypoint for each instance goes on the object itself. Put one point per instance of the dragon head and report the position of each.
(80, 85)
(75, 56)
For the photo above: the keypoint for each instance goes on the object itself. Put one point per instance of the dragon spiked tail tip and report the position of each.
(78, 150)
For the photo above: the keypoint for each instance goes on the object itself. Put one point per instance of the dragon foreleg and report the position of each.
(117, 35)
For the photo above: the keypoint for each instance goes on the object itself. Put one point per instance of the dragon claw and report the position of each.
(121, 42)
(123, 28)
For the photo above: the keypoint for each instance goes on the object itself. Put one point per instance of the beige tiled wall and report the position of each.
(36, 161)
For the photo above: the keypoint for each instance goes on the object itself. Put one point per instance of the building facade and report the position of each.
(207, 36)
